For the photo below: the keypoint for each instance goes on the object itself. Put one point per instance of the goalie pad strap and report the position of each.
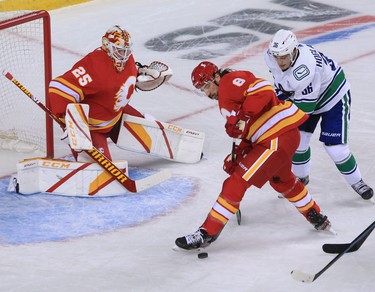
(165, 139)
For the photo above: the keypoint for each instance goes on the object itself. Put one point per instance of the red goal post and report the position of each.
(25, 44)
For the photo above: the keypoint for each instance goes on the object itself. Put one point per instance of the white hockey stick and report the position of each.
(130, 184)
(152, 180)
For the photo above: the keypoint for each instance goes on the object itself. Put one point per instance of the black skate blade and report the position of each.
(195, 250)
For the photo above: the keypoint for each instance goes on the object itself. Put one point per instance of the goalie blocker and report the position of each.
(160, 139)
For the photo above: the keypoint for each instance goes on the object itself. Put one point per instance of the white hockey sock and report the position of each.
(345, 162)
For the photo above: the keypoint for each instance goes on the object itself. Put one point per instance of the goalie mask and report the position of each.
(118, 45)
(203, 73)
(283, 43)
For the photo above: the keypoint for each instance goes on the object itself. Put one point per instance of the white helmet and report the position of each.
(283, 43)
(118, 45)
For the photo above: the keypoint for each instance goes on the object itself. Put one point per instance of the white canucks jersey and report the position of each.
(315, 83)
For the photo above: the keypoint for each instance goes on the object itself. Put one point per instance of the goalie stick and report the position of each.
(309, 278)
(130, 184)
(340, 247)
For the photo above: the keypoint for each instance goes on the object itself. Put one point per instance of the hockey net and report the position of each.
(25, 45)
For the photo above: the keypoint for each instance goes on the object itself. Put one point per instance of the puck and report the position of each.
(202, 255)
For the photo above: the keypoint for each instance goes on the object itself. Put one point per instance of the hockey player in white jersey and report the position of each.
(317, 85)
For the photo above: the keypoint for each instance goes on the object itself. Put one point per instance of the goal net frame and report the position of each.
(23, 18)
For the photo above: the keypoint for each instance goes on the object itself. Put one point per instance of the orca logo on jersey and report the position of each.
(288, 94)
(301, 72)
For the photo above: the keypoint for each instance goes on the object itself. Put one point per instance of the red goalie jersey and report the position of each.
(95, 81)
(105, 80)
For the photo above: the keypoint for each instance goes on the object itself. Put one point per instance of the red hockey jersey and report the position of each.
(95, 81)
(270, 117)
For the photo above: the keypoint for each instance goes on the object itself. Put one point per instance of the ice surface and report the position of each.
(274, 238)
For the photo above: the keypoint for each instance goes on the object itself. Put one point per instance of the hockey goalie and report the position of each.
(92, 100)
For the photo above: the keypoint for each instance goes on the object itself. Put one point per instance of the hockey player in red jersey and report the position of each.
(268, 130)
(104, 79)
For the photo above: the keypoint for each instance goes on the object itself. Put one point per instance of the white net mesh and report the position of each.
(158, 66)
(22, 123)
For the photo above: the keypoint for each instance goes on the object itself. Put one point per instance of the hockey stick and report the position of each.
(238, 213)
(131, 185)
(309, 278)
(340, 247)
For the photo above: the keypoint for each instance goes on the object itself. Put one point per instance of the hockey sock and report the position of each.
(302, 163)
(345, 162)
(219, 215)
(301, 199)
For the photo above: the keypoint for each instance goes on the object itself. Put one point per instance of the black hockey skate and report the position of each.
(363, 190)
(305, 180)
(196, 240)
(319, 221)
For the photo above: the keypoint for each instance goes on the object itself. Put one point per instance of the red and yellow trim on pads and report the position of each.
(139, 132)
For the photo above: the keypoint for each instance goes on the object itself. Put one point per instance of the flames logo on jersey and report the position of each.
(123, 95)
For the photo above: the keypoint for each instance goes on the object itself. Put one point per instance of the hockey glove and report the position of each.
(230, 164)
(238, 125)
(232, 159)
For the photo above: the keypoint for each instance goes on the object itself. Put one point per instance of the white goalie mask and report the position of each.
(117, 44)
(283, 43)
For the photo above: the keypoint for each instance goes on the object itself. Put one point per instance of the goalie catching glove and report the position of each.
(237, 125)
(152, 76)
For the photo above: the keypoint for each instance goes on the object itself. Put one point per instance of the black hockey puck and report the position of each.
(202, 255)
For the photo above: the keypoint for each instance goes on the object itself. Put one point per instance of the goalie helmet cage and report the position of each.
(25, 42)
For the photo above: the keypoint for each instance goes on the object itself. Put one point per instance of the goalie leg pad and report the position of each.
(66, 178)
(77, 126)
(160, 139)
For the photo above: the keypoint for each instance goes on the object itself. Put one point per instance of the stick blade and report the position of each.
(348, 247)
(302, 277)
(152, 180)
(337, 248)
